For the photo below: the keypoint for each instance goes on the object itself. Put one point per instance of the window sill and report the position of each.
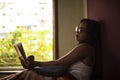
(9, 70)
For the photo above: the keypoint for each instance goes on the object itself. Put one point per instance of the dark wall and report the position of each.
(108, 13)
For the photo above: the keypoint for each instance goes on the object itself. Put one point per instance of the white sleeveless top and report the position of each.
(81, 71)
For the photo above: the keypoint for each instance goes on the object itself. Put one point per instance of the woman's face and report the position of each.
(81, 33)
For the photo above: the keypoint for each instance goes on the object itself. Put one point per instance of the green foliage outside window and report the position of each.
(38, 43)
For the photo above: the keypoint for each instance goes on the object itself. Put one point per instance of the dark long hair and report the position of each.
(94, 38)
(93, 31)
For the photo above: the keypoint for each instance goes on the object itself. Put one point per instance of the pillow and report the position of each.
(51, 71)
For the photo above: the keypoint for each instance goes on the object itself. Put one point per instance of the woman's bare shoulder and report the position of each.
(85, 45)
(85, 48)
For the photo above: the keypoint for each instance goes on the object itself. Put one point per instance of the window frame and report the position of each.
(7, 70)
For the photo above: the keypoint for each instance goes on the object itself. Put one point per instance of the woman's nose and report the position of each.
(76, 34)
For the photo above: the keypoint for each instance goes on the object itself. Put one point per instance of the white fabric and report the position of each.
(81, 71)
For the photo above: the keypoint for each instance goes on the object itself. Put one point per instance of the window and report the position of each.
(29, 22)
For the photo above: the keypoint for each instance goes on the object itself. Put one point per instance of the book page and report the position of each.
(19, 49)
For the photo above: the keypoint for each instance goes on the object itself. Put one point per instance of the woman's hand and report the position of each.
(29, 64)
(24, 64)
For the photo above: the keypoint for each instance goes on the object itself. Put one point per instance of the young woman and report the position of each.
(81, 59)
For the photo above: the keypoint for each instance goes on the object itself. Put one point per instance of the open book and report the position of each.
(21, 53)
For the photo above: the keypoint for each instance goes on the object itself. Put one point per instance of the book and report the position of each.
(21, 53)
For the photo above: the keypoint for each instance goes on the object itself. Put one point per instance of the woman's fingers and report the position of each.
(30, 58)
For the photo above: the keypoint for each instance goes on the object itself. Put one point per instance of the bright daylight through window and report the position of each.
(29, 22)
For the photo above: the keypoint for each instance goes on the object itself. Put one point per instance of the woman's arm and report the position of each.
(76, 54)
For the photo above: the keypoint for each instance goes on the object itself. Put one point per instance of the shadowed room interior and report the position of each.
(70, 12)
